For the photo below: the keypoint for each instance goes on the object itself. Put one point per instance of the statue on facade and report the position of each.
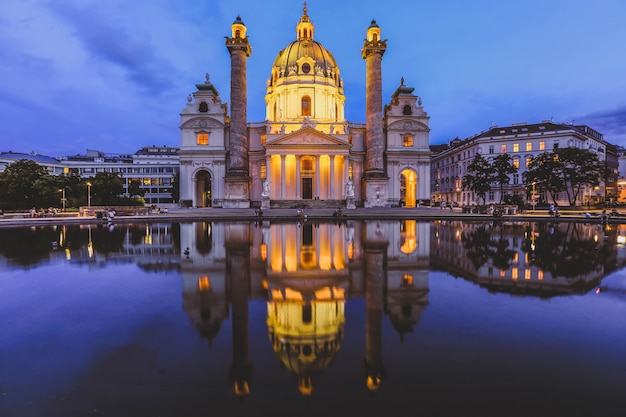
(266, 189)
(349, 189)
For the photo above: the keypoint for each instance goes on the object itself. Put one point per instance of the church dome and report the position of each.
(305, 80)
(293, 59)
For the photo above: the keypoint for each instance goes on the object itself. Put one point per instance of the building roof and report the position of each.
(40, 159)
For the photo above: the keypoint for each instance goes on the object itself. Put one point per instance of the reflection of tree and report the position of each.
(476, 244)
(480, 247)
(27, 246)
(563, 252)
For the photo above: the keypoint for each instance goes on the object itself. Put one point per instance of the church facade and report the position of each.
(305, 152)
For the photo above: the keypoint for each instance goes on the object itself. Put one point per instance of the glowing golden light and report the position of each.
(204, 283)
(263, 251)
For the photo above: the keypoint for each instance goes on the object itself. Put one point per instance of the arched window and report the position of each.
(306, 106)
(406, 110)
(203, 107)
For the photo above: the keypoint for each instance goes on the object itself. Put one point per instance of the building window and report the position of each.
(203, 107)
(350, 172)
(307, 164)
(491, 196)
(528, 161)
(306, 106)
(263, 171)
(406, 110)
(202, 138)
(542, 146)
(503, 148)
(556, 146)
(529, 146)
(491, 149)
(516, 179)
(516, 163)
(407, 140)
(516, 147)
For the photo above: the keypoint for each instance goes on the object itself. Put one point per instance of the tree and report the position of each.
(135, 190)
(503, 167)
(19, 184)
(480, 175)
(106, 187)
(176, 187)
(565, 169)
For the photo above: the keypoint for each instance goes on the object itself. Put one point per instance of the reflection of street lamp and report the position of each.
(63, 200)
(88, 194)
(534, 197)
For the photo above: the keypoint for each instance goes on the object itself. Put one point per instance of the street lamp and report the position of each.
(63, 200)
(88, 194)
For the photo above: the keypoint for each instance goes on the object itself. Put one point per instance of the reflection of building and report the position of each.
(541, 259)
(305, 149)
(306, 272)
(522, 142)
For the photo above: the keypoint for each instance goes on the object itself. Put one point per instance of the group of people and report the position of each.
(42, 212)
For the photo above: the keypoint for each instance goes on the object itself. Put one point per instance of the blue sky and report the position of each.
(114, 75)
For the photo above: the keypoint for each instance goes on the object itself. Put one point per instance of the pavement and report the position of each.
(374, 213)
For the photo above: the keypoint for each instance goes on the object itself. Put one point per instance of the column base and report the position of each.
(236, 192)
(265, 202)
(350, 203)
(376, 192)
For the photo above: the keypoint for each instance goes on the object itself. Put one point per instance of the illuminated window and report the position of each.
(528, 160)
(263, 172)
(350, 172)
(503, 148)
(306, 106)
(542, 146)
(516, 147)
(202, 138)
(529, 146)
(514, 274)
(263, 250)
(502, 273)
(540, 275)
(527, 274)
(516, 163)
(407, 140)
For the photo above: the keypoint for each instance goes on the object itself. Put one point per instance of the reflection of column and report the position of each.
(283, 178)
(375, 250)
(237, 242)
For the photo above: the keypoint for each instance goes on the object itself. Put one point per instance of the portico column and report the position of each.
(298, 180)
(332, 177)
(282, 177)
(317, 175)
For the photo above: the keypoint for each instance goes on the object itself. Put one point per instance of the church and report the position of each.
(305, 153)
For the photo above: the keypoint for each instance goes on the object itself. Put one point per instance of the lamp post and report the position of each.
(88, 194)
(63, 200)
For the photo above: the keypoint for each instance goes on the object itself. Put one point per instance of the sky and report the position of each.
(114, 75)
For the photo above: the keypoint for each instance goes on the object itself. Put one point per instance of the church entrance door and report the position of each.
(307, 188)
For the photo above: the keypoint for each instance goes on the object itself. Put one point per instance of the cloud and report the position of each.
(110, 41)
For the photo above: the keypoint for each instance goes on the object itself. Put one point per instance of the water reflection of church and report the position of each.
(306, 272)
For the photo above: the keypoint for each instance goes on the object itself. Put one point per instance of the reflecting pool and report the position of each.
(373, 318)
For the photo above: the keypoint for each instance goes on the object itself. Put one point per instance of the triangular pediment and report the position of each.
(409, 125)
(306, 137)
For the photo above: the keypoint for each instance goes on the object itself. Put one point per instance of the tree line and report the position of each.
(568, 170)
(25, 184)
